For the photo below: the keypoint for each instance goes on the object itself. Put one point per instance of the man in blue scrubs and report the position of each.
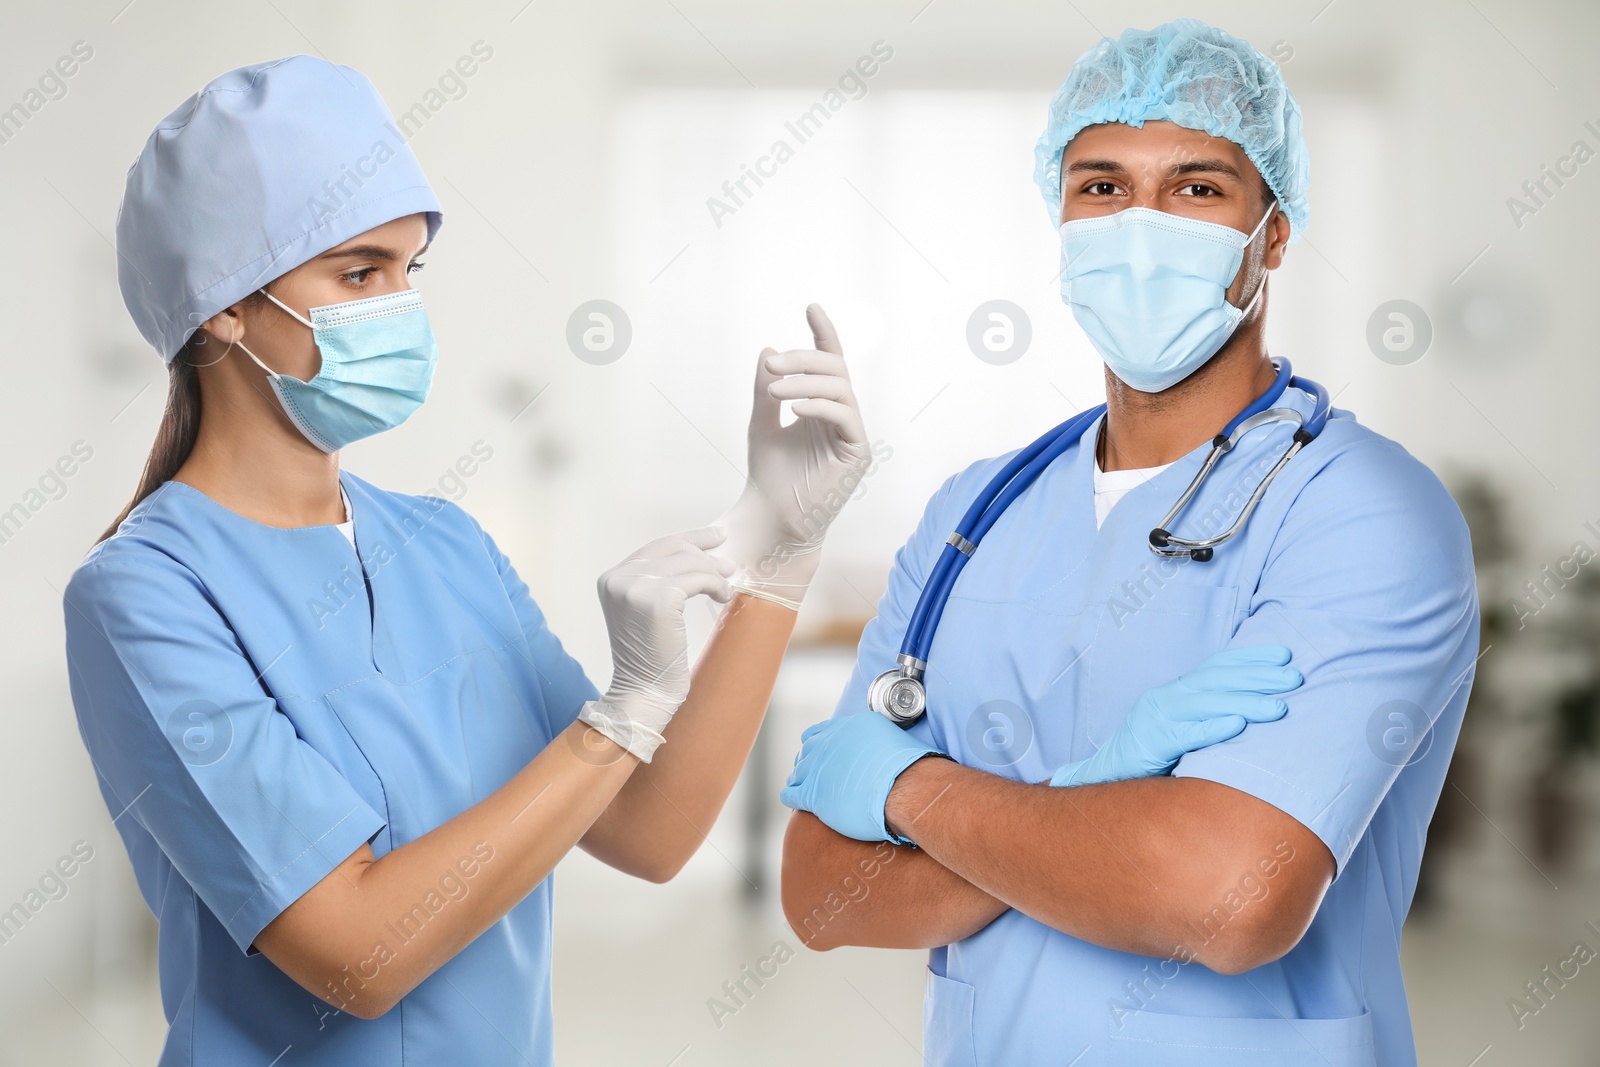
(1245, 908)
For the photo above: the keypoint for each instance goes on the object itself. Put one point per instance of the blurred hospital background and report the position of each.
(605, 277)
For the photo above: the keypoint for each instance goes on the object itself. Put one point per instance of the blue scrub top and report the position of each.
(1359, 561)
(259, 702)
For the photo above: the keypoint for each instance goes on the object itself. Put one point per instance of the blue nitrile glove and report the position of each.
(845, 768)
(1211, 703)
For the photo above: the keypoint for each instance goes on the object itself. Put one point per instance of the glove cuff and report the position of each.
(883, 812)
(762, 594)
(782, 575)
(770, 566)
(626, 730)
(1068, 774)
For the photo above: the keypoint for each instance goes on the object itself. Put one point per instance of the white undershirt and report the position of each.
(348, 526)
(1112, 486)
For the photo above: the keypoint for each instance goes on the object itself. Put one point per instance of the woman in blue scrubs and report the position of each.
(339, 739)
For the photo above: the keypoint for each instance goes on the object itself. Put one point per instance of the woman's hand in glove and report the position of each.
(643, 600)
(800, 475)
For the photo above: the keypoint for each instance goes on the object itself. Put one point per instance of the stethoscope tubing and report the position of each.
(1025, 467)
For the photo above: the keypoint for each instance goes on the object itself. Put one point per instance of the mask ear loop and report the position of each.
(289, 309)
(270, 372)
(1248, 241)
(296, 315)
(225, 351)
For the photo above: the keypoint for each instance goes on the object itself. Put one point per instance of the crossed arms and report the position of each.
(1140, 865)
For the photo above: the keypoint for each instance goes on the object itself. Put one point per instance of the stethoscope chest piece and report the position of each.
(898, 695)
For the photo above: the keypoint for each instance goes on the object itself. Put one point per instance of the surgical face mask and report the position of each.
(378, 355)
(1150, 290)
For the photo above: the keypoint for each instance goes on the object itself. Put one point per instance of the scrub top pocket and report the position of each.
(443, 742)
(947, 1023)
(1173, 625)
(1146, 1038)
(1005, 685)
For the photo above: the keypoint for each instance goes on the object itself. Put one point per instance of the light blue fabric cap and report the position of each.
(265, 168)
(1193, 75)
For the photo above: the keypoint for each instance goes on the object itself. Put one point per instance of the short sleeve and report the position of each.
(1370, 583)
(565, 686)
(190, 744)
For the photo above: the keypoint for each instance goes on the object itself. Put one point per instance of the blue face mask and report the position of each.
(378, 356)
(1150, 290)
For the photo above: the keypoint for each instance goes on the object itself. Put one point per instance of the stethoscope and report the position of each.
(899, 693)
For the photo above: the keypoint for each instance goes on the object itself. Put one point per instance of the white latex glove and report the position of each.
(800, 475)
(643, 599)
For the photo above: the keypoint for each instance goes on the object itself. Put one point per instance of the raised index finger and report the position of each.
(822, 331)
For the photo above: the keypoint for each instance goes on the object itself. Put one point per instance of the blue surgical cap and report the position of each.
(1192, 75)
(265, 168)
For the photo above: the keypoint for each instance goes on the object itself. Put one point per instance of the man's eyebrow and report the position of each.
(1206, 166)
(367, 252)
(1193, 166)
(1096, 166)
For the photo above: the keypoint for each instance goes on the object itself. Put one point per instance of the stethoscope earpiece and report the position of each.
(1259, 413)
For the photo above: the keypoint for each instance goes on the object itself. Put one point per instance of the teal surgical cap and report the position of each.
(265, 168)
(1193, 75)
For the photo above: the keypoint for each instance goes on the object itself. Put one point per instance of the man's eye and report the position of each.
(1197, 189)
(1102, 189)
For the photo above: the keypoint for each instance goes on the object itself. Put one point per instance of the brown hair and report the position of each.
(180, 423)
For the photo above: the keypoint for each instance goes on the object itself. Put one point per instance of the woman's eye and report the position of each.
(359, 277)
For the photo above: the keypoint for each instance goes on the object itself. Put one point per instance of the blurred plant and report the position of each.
(1573, 730)
(1483, 505)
